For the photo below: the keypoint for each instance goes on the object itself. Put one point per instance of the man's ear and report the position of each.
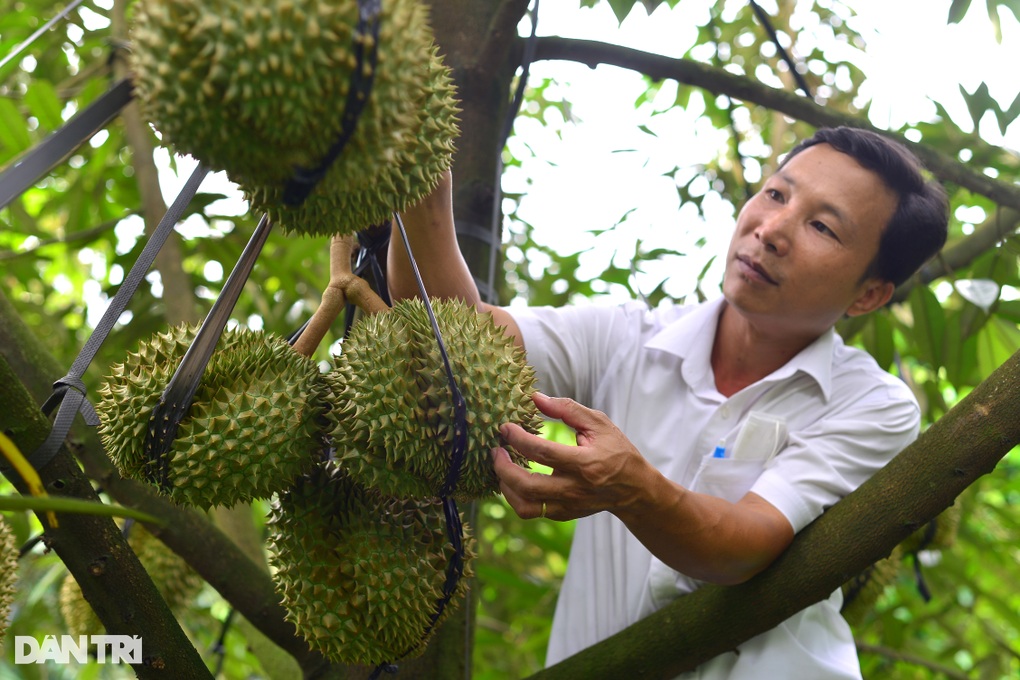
(874, 294)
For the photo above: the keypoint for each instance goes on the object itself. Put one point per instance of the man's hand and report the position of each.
(705, 537)
(603, 472)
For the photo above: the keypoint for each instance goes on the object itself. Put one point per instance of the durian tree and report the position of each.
(77, 231)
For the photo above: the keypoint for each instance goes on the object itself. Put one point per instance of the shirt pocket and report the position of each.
(760, 438)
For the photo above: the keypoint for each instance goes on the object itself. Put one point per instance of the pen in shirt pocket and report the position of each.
(720, 449)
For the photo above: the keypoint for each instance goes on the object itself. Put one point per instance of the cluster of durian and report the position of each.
(259, 89)
(862, 592)
(254, 425)
(359, 540)
(361, 573)
(392, 415)
(174, 579)
(8, 574)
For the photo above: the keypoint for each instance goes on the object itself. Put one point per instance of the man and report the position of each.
(724, 428)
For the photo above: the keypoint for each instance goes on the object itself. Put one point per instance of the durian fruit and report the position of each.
(938, 534)
(862, 592)
(393, 411)
(8, 574)
(259, 89)
(176, 581)
(254, 424)
(79, 618)
(360, 574)
(342, 205)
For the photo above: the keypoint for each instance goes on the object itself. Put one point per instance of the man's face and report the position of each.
(805, 240)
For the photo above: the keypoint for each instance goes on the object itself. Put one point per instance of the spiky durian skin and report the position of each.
(77, 612)
(8, 574)
(342, 205)
(175, 580)
(259, 89)
(393, 411)
(254, 424)
(360, 574)
(862, 591)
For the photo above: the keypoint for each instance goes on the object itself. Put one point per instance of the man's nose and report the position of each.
(774, 232)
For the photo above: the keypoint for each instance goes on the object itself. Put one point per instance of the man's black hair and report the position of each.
(919, 226)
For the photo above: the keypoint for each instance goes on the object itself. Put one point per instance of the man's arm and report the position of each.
(433, 238)
(698, 535)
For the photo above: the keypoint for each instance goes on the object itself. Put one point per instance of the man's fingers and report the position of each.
(580, 418)
(525, 491)
(539, 449)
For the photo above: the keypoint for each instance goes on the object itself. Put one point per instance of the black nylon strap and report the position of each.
(454, 527)
(305, 180)
(45, 156)
(69, 391)
(176, 398)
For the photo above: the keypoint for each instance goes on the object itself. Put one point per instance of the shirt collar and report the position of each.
(692, 335)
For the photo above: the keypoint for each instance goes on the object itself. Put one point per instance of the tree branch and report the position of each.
(720, 81)
(896, 655)
(864, 527)
(1003, 224)
(94, 550)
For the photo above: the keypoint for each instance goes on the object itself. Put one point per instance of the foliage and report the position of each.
(66, 244)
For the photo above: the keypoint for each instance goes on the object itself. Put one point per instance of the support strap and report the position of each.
(52, 151)
(69, 391)
(176, 398)
(305, 180)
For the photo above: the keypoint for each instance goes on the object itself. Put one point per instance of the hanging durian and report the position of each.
(862, 591)
(254, 424)
(176, 581)
(393, 411)
(8, 574)
(361, 574)
(260, 89)
(340, 205)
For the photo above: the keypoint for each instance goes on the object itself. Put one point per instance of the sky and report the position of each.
(912, 57)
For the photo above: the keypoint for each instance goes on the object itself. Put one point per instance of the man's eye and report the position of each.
(774, 194)
(821, 228)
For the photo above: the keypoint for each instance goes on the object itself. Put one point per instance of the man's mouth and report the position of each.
(755, 270)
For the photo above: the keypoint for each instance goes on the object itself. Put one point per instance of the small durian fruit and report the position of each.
(341, 206)
(259, 90)
(77, 612)
(176, 581)
(861, 593)
(361, 574)
(254, 425)
(938, 534)
(393, 411)
(8, 574)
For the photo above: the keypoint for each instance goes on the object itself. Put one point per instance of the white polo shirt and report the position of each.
(801, 438)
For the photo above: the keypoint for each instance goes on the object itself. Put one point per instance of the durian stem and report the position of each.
(344, 285)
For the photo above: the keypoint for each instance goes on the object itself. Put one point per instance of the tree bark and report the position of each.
(864, 527)
(112, 579)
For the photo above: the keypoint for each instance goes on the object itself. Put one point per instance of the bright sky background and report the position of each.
(603, 166)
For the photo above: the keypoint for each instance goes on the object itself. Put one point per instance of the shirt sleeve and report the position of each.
(852, 439)
(571, 347)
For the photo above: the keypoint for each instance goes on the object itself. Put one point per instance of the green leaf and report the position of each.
(878, 339)
(73, 505)
(996, 342)
(957, 10)
(13, 129)
(978, 102)
(621, 8)
(929, 325)
(42, 100)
